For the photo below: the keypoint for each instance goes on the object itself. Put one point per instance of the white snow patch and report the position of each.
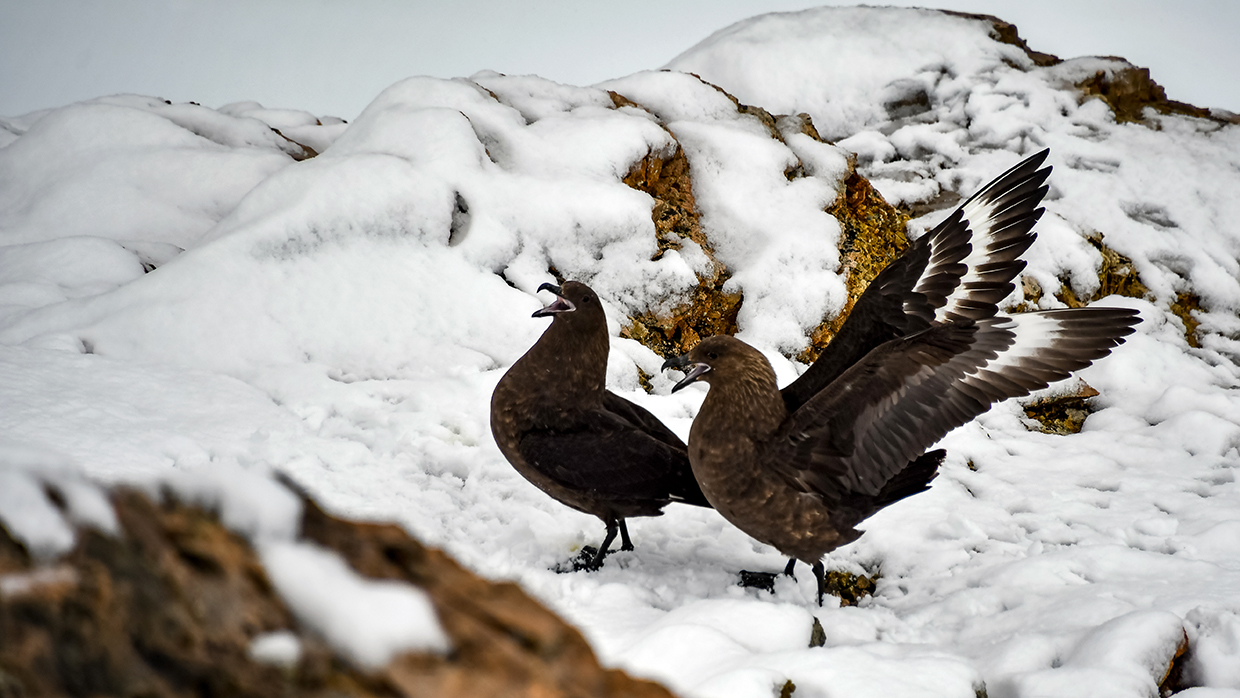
(248, 501)
(281, 648)
(17, 584)
(369, 621)
(29, 475)
(181, 302)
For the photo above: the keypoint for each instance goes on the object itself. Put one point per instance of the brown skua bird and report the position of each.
(557, 424)
(923, 352)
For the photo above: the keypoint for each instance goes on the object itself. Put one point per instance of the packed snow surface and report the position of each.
(182, 302)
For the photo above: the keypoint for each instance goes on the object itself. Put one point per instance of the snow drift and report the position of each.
(179, 293)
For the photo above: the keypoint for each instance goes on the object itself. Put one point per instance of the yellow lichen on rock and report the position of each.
(1062, 414)
(1183, 307)
(1117, 274)
(1116, 277)
(849, 587)
(709, 310)
(871, 237)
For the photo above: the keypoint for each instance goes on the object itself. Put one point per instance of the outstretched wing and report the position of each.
(611, 457)
(959, 270)
(993, 228)
(886, 410)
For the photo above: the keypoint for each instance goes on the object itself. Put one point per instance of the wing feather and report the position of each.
(642, 419)
(960, 270)
(886, 410)
(606, 453)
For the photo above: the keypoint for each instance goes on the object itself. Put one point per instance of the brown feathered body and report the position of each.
(557, 424)
(560, 378)
(738, 418)
(924, 351)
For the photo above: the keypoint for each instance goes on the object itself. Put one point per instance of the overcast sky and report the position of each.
(334, 57)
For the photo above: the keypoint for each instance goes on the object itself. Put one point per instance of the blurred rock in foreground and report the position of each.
(179, 605)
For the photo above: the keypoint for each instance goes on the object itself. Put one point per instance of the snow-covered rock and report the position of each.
(343, 319)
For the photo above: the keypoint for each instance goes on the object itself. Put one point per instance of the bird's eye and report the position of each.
(587, 299)
(711, 355)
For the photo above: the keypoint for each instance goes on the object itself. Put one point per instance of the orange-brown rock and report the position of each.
(505, 643)
(872, 235)
(708, 310)
(169, 608)
(1116, 276)
(1174, 680)
(1129, 90)
(301, 151)
(166, 610)
(13, 557)
(1183, 307)
(1062, 414)
(1007, 33)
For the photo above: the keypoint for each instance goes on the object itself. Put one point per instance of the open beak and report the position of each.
(693, 371)
(560, 305)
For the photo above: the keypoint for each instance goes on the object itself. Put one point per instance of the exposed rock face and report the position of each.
(505, 643)
(711, 311)
(1130, 90)
(301, 151)
(873, 234)
(166, 611)
(1116, 276)
(1062, 414)
(851, 588)
(171, 607)
(1007, 33)
(1173, 680)
(872, 237)
(1183, 307)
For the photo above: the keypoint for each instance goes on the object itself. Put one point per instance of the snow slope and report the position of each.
(343, 320)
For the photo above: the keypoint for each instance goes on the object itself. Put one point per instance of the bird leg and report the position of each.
(597, 562)
(822, 581)
(788, 571)
(625, 543)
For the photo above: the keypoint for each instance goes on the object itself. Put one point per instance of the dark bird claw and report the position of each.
(758, 580)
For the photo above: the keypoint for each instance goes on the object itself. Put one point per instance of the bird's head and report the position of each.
(721, 358)
(575, 303)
